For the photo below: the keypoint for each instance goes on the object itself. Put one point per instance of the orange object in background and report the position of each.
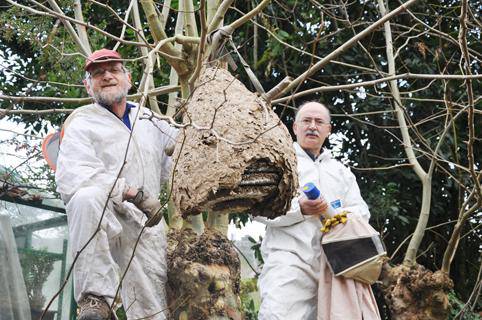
(51, 147)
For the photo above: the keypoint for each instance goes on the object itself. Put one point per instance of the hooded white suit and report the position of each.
(291, 248)
(91, 179)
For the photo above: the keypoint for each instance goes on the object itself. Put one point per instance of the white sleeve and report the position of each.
(292, 217)
(78, 166)
(168, 135)
(353, 200)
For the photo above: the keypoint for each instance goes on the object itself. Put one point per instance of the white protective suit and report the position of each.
(291, 249)
(91, 155)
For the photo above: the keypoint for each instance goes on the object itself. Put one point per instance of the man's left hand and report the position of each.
(151, 207)
(314, 207)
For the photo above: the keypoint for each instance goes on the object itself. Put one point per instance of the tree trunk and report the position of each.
(413, 292)
(203, 276)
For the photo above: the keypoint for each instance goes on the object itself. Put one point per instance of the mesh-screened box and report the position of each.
(354, 250)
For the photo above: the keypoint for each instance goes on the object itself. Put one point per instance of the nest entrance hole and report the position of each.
(259, 183)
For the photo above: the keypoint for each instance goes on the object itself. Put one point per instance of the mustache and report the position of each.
(312, 132)
(109, 85)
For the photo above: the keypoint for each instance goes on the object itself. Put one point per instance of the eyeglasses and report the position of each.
(318, 122)
(99, 72)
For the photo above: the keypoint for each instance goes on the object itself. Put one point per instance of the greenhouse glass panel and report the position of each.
(37, 232)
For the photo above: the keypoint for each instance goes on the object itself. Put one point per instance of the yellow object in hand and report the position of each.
(337, 219)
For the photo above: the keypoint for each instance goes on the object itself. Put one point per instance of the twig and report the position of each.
(382, 168)
(52, 13)
(455, 236)
(81, 41)
(408, 237)
(202, 45)
(246, 259)
(80, 29)
(219, 15)
(245, 18)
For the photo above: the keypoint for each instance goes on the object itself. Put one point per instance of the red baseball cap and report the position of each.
(101, 54)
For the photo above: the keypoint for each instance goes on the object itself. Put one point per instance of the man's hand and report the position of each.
(151, 207)
(315, 207)
(130, 194)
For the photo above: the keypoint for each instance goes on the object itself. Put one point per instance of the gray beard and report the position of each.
(107, 100)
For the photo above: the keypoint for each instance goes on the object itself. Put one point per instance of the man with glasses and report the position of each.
(110, 168)
(291, 249)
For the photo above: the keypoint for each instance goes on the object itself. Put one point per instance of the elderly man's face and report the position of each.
(109, 83)
(312, 127)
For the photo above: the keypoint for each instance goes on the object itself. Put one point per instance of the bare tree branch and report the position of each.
(320, 64)
(82, 31)
(373, 82)
(245, 18)
(219, 15)
(80, 39)
(465, 213)
(202, 45)
(155, 92)
(52, 13)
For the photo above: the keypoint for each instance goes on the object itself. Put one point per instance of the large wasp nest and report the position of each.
(234, 155)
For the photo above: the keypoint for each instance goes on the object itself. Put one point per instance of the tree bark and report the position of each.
(203, 276)
(413, 292)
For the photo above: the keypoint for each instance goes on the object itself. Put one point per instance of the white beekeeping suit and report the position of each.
(92, 165)
(291, 248)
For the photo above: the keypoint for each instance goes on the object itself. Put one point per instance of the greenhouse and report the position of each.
(33, 242)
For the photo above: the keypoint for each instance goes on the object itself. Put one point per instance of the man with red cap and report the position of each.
(110, 168)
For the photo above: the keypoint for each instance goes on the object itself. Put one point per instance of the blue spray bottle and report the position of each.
(312, 193)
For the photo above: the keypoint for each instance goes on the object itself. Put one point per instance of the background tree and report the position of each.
(405, 100)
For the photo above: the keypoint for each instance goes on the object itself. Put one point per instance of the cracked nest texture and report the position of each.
(246, 163)
(203, 276)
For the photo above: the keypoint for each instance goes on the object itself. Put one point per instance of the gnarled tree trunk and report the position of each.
(414, 292)
(203, 276)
